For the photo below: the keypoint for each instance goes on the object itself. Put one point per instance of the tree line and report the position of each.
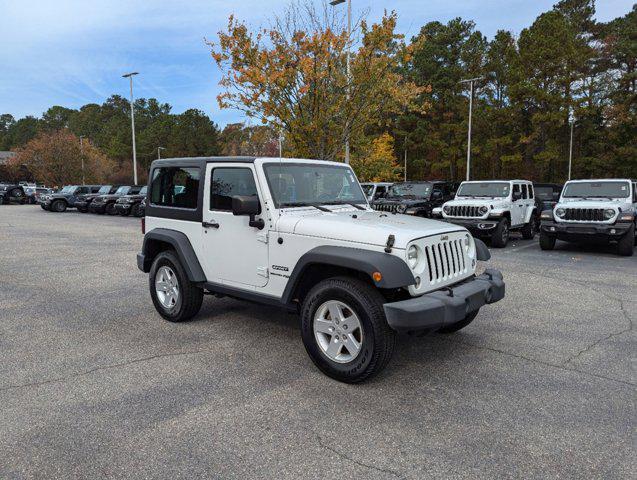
(401, 96)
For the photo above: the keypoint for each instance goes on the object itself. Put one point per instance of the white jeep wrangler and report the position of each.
(492, 209)
(593, 211)
(300, 234)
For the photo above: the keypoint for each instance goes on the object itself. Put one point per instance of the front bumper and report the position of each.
(477, 226)
(573, 232)
(123, 207)
(441, 308)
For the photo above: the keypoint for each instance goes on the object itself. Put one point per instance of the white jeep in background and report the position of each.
(492, 209)
(593, 211)
(300, 234)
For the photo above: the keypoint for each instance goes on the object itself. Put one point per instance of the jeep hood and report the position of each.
(596, 203)
(369, 227)
(478, 202)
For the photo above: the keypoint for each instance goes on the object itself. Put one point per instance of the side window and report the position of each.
(82, 190)
(634, 192)
(531, 192)
(175, 187)
(227, 182)
(516, 189)
(525, 193)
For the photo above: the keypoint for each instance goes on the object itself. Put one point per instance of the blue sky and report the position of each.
(73, 52)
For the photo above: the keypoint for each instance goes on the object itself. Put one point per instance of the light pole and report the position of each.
(571, 118)
(349, 35)
(82, 157)
(159, 149)
(132, 119)
(470, 81)
(405, 159)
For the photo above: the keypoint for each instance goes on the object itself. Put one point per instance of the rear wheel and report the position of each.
(530, 229)
(546, 241)
(175, 297)
(344, 329)
(136, 210)
(500, 235)
(58, 206)
(454, 327)
(626, 245)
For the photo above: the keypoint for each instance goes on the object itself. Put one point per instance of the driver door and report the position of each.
(235, 254)
(518, 206)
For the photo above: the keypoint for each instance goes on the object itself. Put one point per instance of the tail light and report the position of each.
(143, 225)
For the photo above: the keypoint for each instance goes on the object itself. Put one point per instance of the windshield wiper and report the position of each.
(304, 204)
(344, 203)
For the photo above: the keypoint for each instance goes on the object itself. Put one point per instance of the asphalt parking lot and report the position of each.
(94, 384)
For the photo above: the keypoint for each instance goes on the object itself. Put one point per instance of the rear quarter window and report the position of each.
(175, 187)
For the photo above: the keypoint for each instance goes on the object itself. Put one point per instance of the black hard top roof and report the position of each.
(167, 162)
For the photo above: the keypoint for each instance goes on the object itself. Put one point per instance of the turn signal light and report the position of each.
(377, 276)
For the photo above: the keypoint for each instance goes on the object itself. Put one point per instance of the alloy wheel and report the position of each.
(338, 331)
(167, 288)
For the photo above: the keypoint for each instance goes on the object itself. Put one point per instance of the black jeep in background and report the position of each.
(547, 195)
(131, 204)
(415, 198)
(106, 203)
(66, 198)
(84, 201)
(12, 192)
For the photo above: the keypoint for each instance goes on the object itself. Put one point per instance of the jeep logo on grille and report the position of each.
(444, 237)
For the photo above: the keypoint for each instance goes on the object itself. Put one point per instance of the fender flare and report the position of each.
(395, 272)
(482, 251)
(181, 245)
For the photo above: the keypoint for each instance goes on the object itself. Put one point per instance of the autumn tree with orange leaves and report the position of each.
(293, 77)
(55, 158)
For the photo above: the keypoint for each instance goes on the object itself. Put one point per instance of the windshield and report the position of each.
(104, 189)
(484, 189)
(296, 185)
(409, 190)
(597, 190)
(122, 190)
(143, 190)
(544, 193)
(68, 189)
(367, 188)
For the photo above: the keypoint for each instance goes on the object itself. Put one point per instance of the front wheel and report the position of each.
(173, 294)
(344, 329)
(626, 245)
(58, 206)
(546, 241)
(136, 210)
(454, 327)
(500, 235)
(109, 209)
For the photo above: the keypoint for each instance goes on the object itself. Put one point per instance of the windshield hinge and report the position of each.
(262, 237)
(262, 271)
(390, 243)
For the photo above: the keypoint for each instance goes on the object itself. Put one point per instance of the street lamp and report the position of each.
(132, 119)
(470, 81)
(349, 35)
(82, 157)
(159, 149)
(571, 119)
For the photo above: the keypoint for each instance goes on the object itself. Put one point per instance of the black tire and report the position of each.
(454, 327)
(82, 209)
(125, 213)
(16, 193)
(546, 241)
(58, 206)
(191, 295)
(626, 245)
(530, 229)
(136, 210)
(500, 235)
(377, 339)
(109, 209)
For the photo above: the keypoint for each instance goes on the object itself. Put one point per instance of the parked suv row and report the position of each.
(102, 199)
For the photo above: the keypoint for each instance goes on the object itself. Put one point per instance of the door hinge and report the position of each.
(262, 271)
(262, 237)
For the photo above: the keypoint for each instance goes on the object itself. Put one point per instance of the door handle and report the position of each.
(210, 224)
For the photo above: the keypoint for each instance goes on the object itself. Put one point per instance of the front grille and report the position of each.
(445, 260)
(385, 207)
(584, 214)
(464, 211)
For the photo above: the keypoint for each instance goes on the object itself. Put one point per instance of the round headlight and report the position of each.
(412, 256)
(609, 213)
(402, 208)
(560, 212)
(483, 210)
(447, 209)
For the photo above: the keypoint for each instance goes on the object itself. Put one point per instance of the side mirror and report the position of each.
(436, 195)
(248, 205)
(517, 196)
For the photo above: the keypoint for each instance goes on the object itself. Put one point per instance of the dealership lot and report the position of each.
(93, 383)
